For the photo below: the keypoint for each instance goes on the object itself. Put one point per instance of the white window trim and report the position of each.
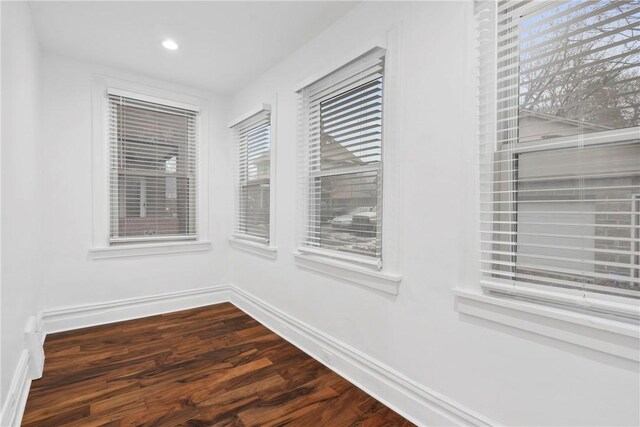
(388, 278)
(635, 220)
(254, 111)
(587, 329)
(100, 247)
(339, 60)
(250, 244)
(602, 303)
(147, 249)
(256, 248)
(349, 272)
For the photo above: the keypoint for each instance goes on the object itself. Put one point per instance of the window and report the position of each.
(152, 183)
(341, 162)
(253, 179)
(560, 151)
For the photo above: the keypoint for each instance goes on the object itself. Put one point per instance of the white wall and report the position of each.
(70, 276)
(509, 375)
(47, 189)
(506, 374)
(21, 162)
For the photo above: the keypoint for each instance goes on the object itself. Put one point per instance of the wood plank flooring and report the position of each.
(210, 366)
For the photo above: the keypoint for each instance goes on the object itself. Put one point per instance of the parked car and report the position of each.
(328, 213)
(362, 218)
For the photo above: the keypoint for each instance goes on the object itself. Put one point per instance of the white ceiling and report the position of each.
(223, 45)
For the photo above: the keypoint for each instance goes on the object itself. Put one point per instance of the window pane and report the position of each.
(254, 209)
(351, 127)
(576, 219)
(253, 145)
(579, 69)
(349, 216)
(259, 152)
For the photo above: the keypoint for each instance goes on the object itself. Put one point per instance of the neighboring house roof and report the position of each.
(528, 113)
(535, 125)
(338, 153)
(340, 156)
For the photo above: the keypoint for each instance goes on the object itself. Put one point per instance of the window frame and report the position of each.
(344, 267)
(635, 234)
(578, 298)
(192, 191)
(100, 246)
(581, 299)
(313, 178)
(592, 322)
(266, 248)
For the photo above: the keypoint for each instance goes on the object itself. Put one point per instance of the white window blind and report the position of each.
(560, 146)
(340, 137)
(253, 153)
(152, 171)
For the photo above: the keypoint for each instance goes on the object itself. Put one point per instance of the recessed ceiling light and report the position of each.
(170, 44)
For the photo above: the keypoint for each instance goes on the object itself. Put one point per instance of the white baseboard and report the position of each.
(410, 399)
(82, 316)
(16, 398)
(413, 401)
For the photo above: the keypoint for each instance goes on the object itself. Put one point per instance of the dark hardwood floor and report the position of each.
(210, 366)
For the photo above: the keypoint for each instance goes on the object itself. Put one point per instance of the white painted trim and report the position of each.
(256, 110)
(147, 249)
(82, 316)
(40, 328)
(273, 173)
(152, 99)
(372, 263)
(16, 398)
(393, 140)
(410, 399)
(348, 271)
(601, 303)
(33, 343)
(262, 249)
(250, 238)
(341, 61)
(609, 336)
(413, 401)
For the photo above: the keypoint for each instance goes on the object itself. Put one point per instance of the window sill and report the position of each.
(148, 249)
(577, 300)
(346, 271)
(616, 337)
(255, 248)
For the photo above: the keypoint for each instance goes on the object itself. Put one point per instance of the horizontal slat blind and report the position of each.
(560, 144)
(252, 139)
(340, 137)
(152, 181)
